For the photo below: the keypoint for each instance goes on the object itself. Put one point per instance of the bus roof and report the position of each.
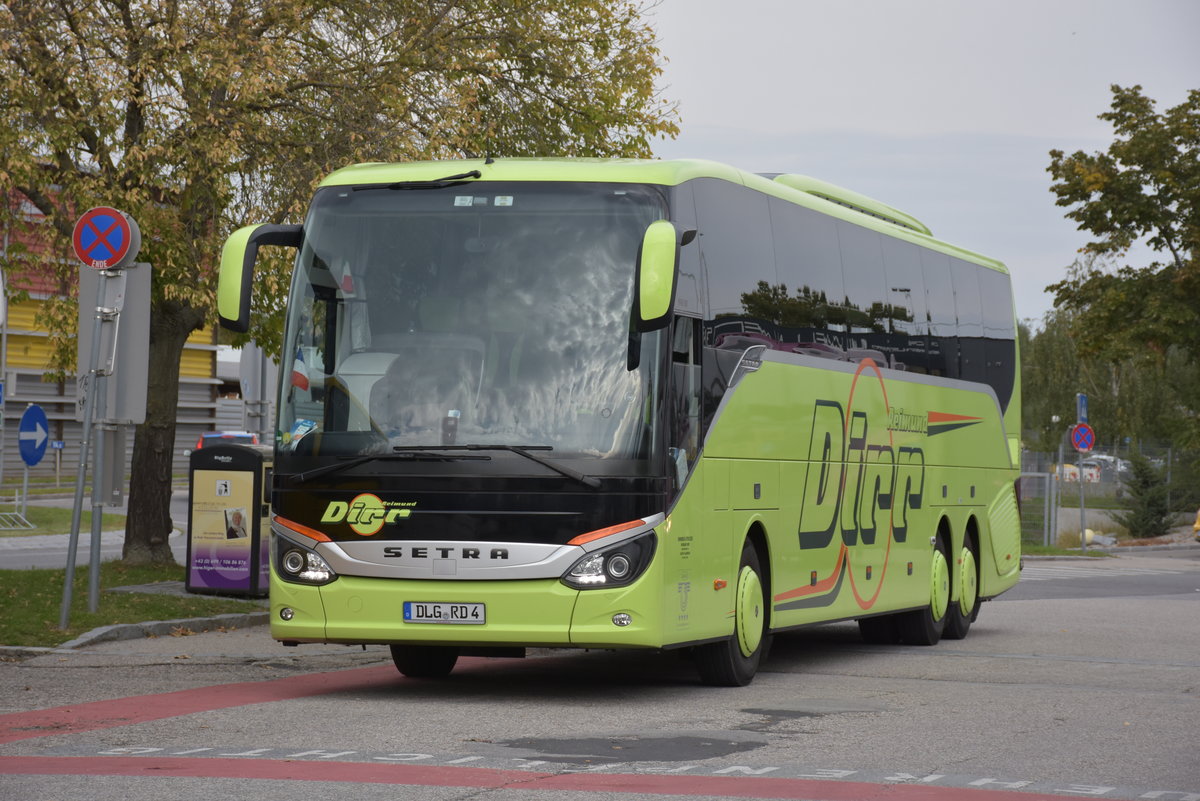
(815, 194)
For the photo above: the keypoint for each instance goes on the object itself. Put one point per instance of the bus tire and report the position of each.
(734, 661)
(879, 630)
(924, 626)
(424, 661)
(966, 608)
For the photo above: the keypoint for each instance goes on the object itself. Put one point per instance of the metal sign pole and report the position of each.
(110, 313)
(1082, 510)
(81, 475)
(1060, 477)
(97, 494)
(1081, 419)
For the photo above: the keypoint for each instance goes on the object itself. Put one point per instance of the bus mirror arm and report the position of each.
(236, 278)
(634, 360)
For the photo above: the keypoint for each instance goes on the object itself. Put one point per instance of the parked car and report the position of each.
(1120, 466)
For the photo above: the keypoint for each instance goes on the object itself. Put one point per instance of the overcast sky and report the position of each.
(945, 109)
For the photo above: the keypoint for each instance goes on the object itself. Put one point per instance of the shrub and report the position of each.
(1146, 513)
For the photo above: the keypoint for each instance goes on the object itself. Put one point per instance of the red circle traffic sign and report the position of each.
(1083, 438)
(104, 238)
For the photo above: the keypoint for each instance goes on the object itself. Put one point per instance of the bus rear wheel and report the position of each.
(965, 610)
(424, 661)
(925, 626)
(734, 661)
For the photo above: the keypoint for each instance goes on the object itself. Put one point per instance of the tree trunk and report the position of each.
(148, 525)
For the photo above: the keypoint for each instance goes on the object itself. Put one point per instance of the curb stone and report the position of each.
(134, 631)
(1118, 550)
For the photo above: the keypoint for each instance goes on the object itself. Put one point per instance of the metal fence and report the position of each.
(1054, 488)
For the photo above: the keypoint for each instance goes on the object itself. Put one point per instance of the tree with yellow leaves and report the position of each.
(195, 116)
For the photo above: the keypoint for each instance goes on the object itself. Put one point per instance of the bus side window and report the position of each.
(969, 311)
(942, 347)
(908, 323)
(999, 332)
(685, 397)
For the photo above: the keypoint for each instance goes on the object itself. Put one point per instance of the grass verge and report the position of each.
(1029, 549)
(53, 520)
(31, 602)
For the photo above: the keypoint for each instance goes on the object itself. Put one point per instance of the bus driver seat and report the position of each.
(432, 375)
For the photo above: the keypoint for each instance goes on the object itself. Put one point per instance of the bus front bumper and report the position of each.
(538, 612)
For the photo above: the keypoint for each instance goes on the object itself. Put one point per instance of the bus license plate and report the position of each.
(429, 612)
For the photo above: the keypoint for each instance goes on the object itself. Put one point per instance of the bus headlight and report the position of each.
(614, 566)
(300, 565)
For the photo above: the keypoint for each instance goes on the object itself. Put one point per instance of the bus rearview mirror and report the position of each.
(236, 279)
(657, 263)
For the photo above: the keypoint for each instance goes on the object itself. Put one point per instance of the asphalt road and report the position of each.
(1084, 682)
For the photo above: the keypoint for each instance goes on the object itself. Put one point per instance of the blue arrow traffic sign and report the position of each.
(33, 434)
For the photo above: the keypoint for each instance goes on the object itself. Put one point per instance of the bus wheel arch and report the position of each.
(965, 608)
(757, 537)
(732, 662)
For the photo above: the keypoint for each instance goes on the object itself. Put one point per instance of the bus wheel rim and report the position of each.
(939, 597)
(749, 611)
(968, 590)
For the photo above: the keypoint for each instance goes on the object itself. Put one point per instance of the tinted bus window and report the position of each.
(996, 291)
(942, 347)
(810, 269)
(689, 291)
(972, 360)
(999, 331)
(908, 325)
(862, 270)
(735, 244)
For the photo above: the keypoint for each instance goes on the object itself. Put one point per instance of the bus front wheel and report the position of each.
(733, 662)
(424, 661)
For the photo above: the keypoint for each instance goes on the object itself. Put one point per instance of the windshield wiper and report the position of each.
(405, 456)
(436, 183)
(521, 450)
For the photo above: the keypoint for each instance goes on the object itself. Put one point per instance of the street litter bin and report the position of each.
(228, 507)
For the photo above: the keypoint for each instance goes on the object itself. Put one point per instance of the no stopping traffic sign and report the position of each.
(104, 238)
(1083, 438)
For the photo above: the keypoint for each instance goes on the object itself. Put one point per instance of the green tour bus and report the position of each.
(630, 404)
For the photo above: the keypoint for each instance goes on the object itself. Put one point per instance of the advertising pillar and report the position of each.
(227, 550)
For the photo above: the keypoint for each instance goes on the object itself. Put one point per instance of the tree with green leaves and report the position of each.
(1145, 188)
(195, 117)
(1138, 398)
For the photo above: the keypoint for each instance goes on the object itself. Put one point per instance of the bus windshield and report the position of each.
(469, 314)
